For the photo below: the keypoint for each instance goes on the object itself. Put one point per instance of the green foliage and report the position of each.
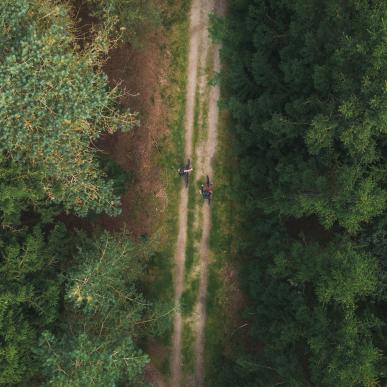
(83, 361)
(374, 238)
(216, 27)
(188, 298)
(310, 108)
(53, 105)
(346, 352)
(29, 294)
(338, 272)
(104, 281)
(307, 97)
(18, 191)
(307, 301)
(103, 308)
(132, 18)
(121, 178)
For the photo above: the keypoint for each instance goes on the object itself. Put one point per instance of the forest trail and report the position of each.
(205, 153)
(201, 53)
(179, 258)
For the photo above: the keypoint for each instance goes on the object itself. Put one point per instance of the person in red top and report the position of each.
(206, 191)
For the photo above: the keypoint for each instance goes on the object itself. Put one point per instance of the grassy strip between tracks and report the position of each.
(168, 155)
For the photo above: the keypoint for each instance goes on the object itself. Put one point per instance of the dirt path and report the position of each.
(201, 53)
(193, 57)
(206, 154)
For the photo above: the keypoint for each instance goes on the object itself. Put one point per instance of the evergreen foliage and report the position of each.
(131, 18)
(103, 307)
(307, 96)
(83, 361)
(54, 105)
(29, 293)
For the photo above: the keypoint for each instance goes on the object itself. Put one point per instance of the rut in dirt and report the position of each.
(201, 52)
(179, 258)
(206, 153)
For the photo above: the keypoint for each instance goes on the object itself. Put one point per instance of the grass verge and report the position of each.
(188, 340)
(221, 308)
(168, 156)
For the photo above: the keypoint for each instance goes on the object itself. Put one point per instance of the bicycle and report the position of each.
(206, 190)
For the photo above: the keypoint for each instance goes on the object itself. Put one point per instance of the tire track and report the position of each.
(179, 257)
(199, 49)
(206, 153)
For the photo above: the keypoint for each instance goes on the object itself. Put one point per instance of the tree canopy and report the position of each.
(309, 98)
(103, 307)
(54, 105)
(305, 85)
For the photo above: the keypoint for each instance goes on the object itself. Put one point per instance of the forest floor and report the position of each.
(139, 75)
(170, 93)
(192, 254)
(152, 79)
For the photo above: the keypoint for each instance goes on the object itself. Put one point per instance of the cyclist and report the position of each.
(182, 171)
(206, 192)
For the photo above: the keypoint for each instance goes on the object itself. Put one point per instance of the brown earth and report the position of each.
(153, 376)
(139, 75)
(196, 26)
(199, 48)
(206, 153)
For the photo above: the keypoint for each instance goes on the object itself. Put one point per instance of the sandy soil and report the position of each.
(140, 73)
(206, 154)
(193, 56)
(199, 49)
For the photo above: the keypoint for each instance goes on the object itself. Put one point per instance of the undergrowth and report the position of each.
(169, 153)
(220, 313)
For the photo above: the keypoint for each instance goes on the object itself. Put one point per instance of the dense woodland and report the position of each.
(306, 87)
(71, 309)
